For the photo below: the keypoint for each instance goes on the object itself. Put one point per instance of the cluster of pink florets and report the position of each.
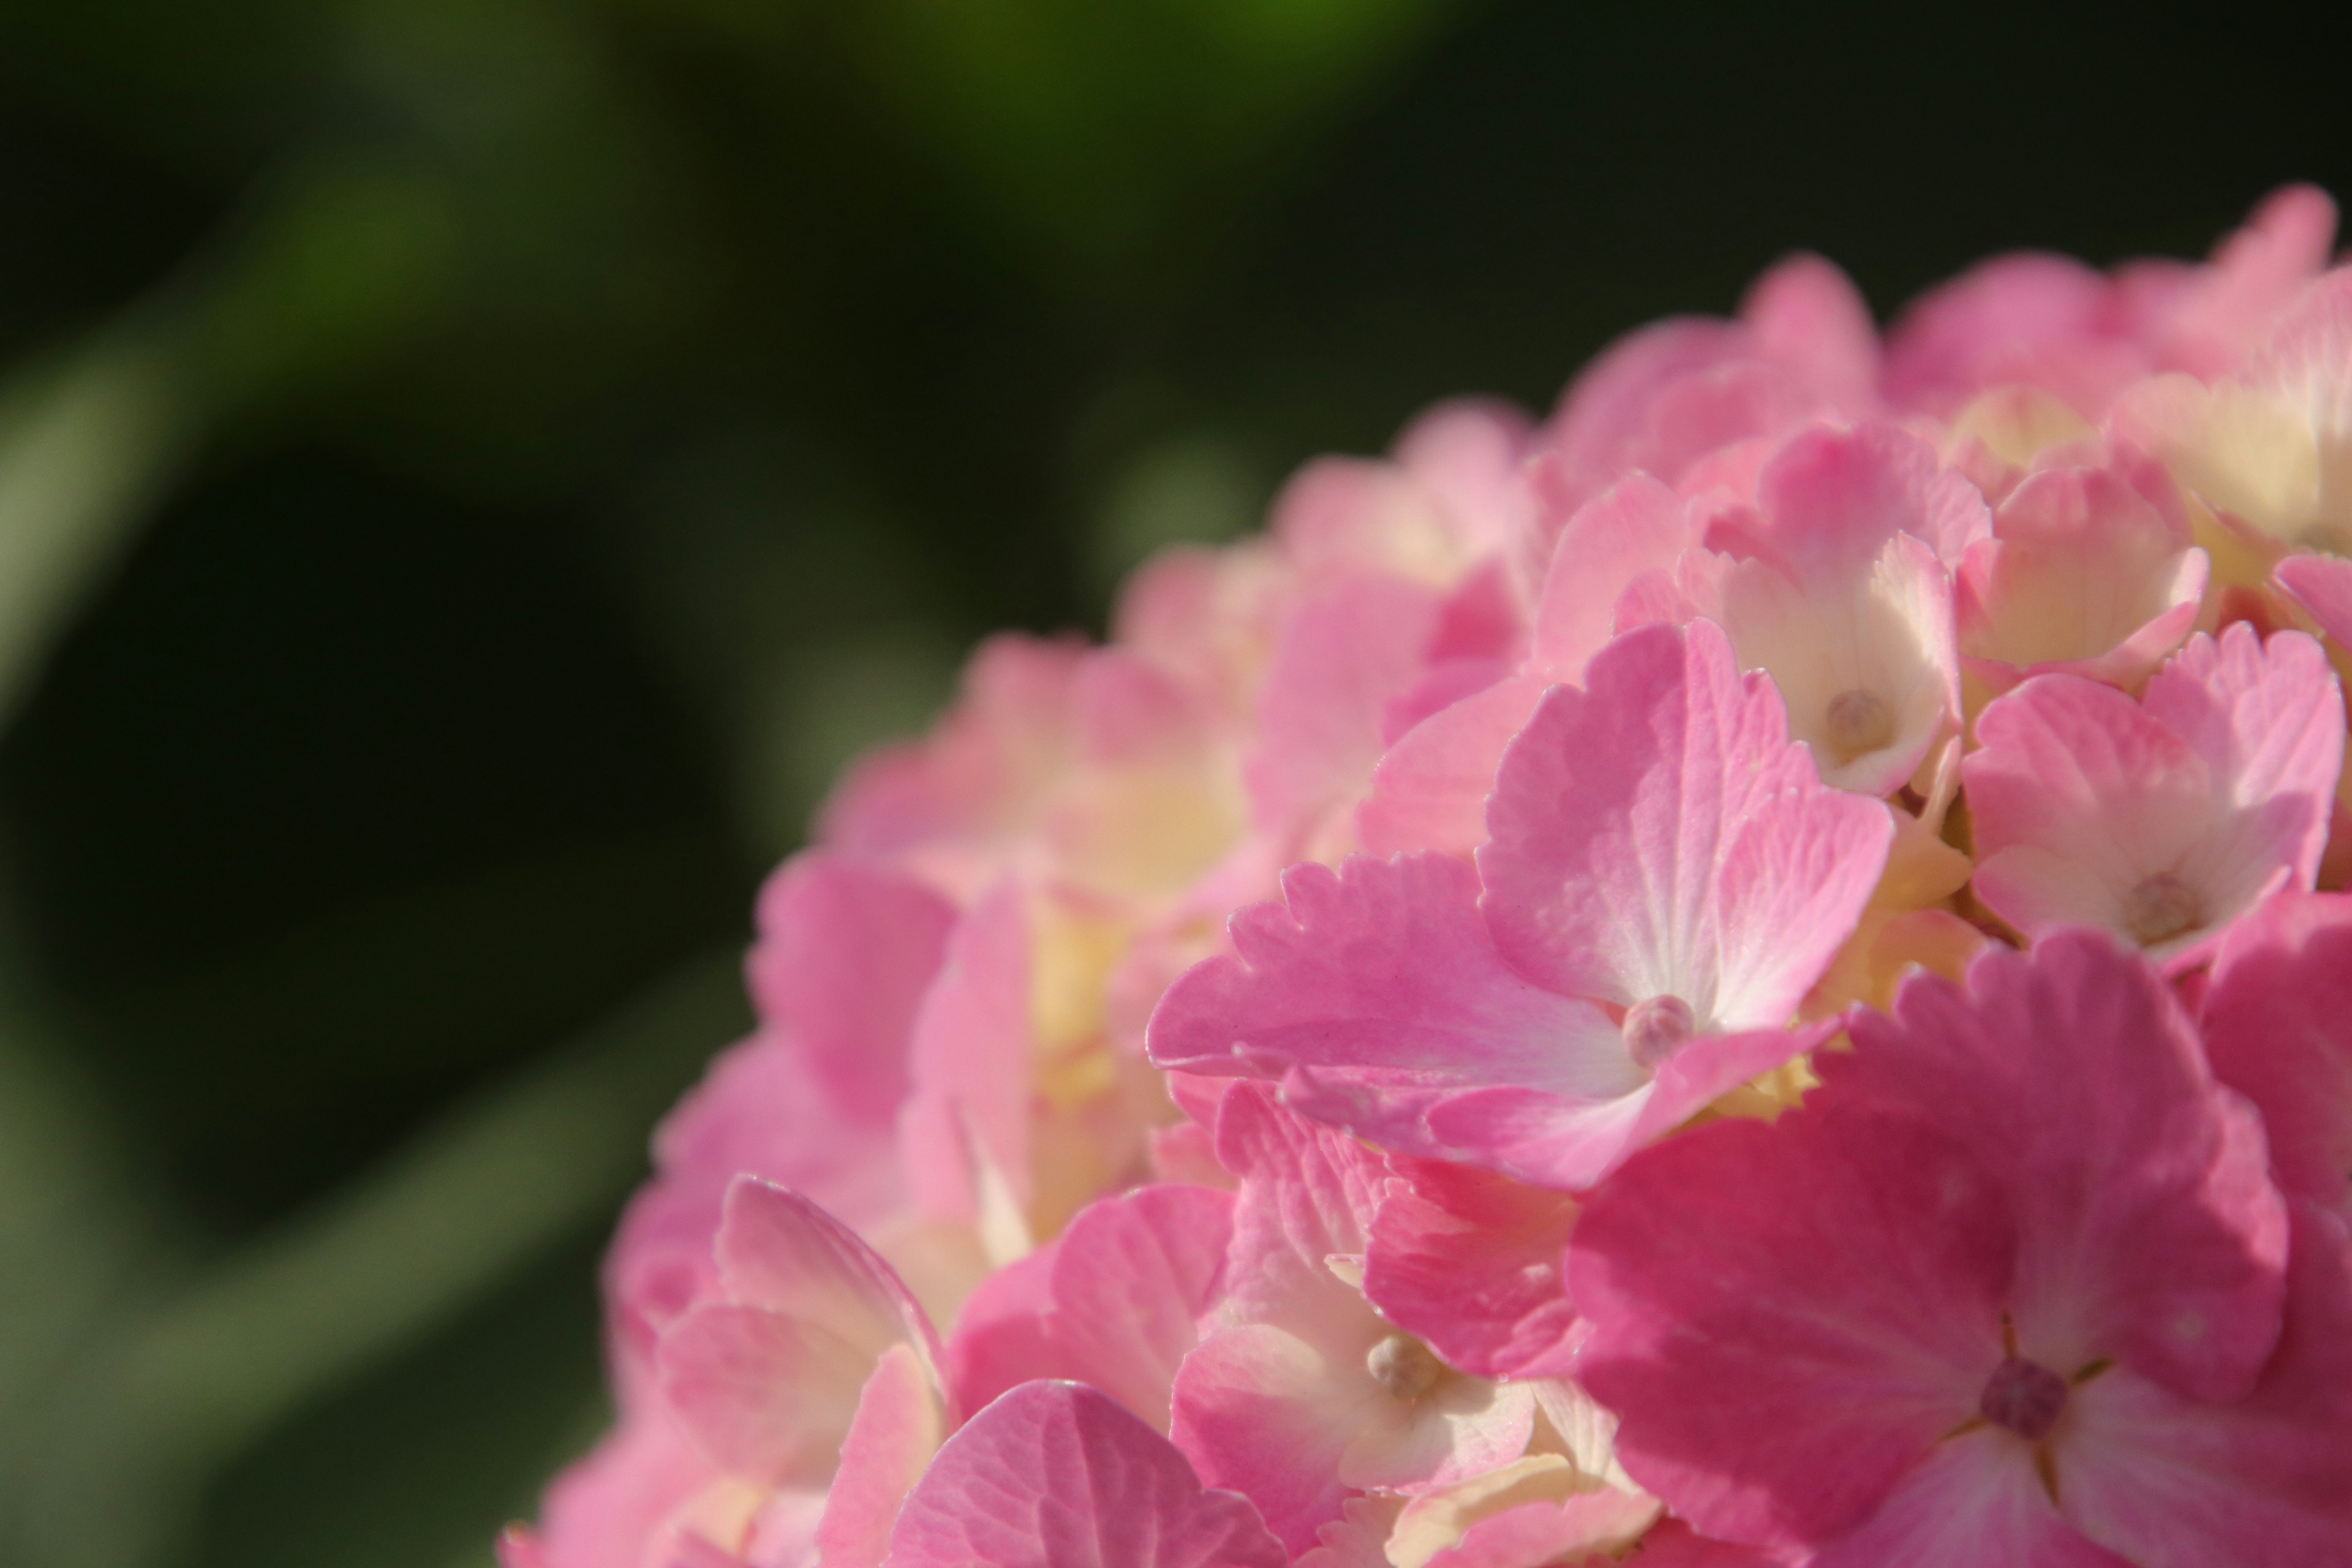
(1734, 977)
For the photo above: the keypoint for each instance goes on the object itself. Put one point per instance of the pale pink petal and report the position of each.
(1555, 1142)
(1261, 1411)
(1808, 316)
(2266, 1478)
(1638, 525)
(1467, 452)
(2266, 717)
(608, 1511)
(1829, 1307)
(1831, 498)
(1470, 1262)
(844, 951)
(1307, 1195)
(2085, 576)
(971, 1063)
(2079, 799)
(2043, 320)
(779, 1252)
(1430, 789)
(1055, 1474)
(2321, 584)
(1975, 1502)
(1595, 1524)
(1003, 1332)
(2278, 1026)
(897, 1429)
(1381, 981)
(2148, 1230)
(1343, 656)
(1659, 834)
(1135, 1275)
(768, 1398)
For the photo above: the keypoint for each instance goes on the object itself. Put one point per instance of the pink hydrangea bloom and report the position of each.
(2162, 820)
(1356, 1060)
(1665, 879)
(2017, 1289)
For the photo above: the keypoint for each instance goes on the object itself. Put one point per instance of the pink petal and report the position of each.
(1831, 498)
(2148, 1230)
(1055, 1474)
(2321, 584)
(1263, 1412)
(1382, 980)
(1787, 1318)
(609, 1511)
(1659, 834)
(1638, 525)
(844, 951)
(2266, 1478)
(779, 1252)
(1976, 1501)
(1114, 1302)
(1808, 316)
(1307, 1195)
(768, 1398)
(1342, 657)
(1551, 1140)
(2265, 715)
(972, 1063)
(1470, 1263)
(1594, 1524)
(896, 1431)
(2278, 1027)
(1133, 1279)
(1430, 789)
(1670, 1543)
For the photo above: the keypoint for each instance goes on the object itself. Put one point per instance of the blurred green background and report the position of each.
(470, 470)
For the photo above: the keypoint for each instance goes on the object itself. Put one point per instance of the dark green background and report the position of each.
(565, 431)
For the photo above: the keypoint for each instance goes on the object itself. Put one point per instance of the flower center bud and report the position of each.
(1404, 1366)
(1655, 1028)
(1859, 722)
(2162, 907)
(2024, 1397)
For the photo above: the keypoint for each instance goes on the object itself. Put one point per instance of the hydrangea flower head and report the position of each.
(1756, 972)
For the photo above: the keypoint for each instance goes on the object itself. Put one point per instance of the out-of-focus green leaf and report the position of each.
(1097, 128)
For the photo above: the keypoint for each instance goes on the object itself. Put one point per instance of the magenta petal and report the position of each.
(1471, 1263)
(1787, 1318)
(2278, 1027)
(1055, 1474)
(2150, 1230)
(1381, 981)
(1659, 834)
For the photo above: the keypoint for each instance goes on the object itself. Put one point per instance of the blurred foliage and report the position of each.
(471, 470)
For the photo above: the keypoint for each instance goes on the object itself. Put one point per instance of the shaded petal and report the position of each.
(1470, 1263)
(1787, 1318)
(1977, 1501)
(2148, 1228)
(2278, 1027)
(897, 1429)
(2266, 1478)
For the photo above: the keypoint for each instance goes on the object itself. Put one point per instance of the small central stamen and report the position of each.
(1859, 722)
(2162, 908)
(2024, 1397)
(1655, 1028)
(1404, 1366)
